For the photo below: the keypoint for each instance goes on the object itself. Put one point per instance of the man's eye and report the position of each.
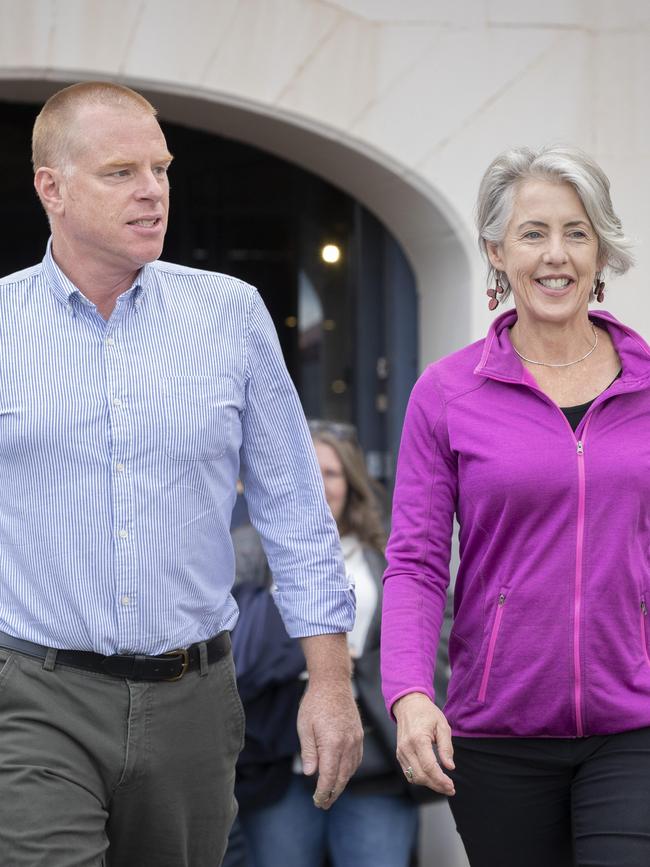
(161, 171)
(120, 173)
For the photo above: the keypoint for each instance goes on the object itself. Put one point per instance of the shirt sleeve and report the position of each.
(284, 492)
(419, 548)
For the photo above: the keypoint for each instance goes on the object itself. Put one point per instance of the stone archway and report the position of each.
(422, 222)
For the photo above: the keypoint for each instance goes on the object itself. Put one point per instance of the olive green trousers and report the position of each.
(97, 771)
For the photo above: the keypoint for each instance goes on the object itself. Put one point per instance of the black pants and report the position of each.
(549, 802)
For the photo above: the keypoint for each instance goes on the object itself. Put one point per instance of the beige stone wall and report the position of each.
(421, 93)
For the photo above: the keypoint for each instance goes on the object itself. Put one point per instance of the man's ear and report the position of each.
(493, 251)
(48, 183)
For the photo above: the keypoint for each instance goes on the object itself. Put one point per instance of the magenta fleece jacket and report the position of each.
(551, 635)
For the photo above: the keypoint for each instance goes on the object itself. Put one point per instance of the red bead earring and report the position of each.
(494, 294)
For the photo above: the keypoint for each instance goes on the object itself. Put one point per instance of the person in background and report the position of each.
(538, 439)
(374, 822)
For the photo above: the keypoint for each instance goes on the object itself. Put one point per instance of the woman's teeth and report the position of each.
(554, 283)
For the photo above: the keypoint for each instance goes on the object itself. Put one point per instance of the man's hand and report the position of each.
(420, 725)
(328, 721)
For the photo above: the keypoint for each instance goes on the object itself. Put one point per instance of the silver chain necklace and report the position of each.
(565, 363)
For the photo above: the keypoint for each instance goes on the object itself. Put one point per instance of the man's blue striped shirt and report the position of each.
(121, 443)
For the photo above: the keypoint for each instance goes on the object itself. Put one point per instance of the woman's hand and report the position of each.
(420, 726)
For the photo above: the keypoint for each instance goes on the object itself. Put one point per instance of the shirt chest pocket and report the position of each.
(199, 416)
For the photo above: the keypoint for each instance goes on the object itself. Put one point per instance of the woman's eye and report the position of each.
(578, 233)
(332, 474)
(533, 236)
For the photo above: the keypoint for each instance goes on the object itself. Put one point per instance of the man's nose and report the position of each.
(149, 186)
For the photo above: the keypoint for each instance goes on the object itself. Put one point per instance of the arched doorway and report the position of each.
(348, 327)
(425, 225)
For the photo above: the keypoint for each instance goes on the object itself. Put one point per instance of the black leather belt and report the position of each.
(168, 666)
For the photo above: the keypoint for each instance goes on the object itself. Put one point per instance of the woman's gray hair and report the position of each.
(561, 165)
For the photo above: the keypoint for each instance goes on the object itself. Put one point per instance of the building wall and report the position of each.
(402, 102)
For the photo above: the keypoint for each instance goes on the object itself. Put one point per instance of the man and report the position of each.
(133, 393)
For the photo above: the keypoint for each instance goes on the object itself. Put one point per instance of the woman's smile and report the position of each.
(555, 286)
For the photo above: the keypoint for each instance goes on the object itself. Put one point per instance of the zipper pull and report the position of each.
(644, 608)
(502, 598)
(580, 448)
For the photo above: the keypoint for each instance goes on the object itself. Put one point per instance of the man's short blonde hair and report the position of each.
(52, 137)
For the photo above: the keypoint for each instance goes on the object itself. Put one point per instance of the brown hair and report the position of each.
(52, 137)
(362, 511)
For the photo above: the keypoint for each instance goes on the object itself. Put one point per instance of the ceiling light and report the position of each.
(330, 253)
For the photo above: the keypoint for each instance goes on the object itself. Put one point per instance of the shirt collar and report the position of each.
(66, 292)
(499, 360)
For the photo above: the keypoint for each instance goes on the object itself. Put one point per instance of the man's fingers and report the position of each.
(347, 767)
(337, 763)
(308, 745)
(323, 798)
(327, 788)
(309, 756)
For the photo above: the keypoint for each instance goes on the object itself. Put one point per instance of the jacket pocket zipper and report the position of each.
(644, 632)
(492, 645)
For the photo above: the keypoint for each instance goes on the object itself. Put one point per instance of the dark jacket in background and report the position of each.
(268, 667)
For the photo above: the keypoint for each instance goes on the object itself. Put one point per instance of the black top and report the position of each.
(575, 414)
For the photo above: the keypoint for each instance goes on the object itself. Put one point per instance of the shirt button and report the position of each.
(119, 468)
(117, 401)
(124, 534)
(110, 341)
(125, 600)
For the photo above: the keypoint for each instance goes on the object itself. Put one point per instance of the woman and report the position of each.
(374, 821)
(538, 440)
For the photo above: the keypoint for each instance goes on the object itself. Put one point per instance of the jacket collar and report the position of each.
(499, 360)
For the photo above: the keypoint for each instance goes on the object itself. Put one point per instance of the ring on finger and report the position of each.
(408, 773)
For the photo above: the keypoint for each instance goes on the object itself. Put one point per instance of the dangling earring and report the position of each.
(599, 289)
(494, 294)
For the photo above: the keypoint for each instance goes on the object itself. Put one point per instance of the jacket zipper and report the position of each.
(577, 600)
(644, 635)
(491, 646)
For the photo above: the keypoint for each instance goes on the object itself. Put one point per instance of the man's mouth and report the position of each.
(146, 224)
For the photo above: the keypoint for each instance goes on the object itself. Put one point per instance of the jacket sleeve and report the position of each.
(419, 548)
